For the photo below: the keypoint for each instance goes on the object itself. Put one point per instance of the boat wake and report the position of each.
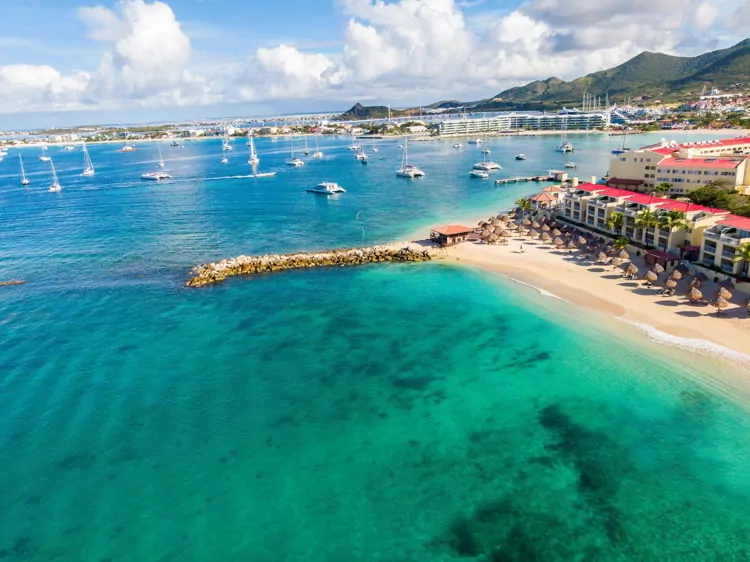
(704, 347)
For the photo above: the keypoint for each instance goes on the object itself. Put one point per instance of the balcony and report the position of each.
(708, 262)
(727, 254)
(728, 267)
(711, 235)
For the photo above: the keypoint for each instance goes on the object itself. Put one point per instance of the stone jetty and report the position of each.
(215, 272)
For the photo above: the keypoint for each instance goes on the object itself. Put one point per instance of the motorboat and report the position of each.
(571, 165)
(361, 156)
(480, 174)
(262, 175)
(226, 147)
(175, 144)
(70, 147)
(475, 141)
(44, 157)
(156, 176)
(520, 157)
(354, 147)
(224, 160)
(486, 151)
(327, 188)
(565, 147)
(128, 148)
(317, 155)
(295, 162)
(457, 145)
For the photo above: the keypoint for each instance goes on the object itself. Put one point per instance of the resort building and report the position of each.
(592, 205)
(504, 122)
(684, 166)
(721, 242)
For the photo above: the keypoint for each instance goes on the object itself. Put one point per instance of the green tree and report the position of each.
(742, 255)
(615, 222)
(621, 243)
(662, 188)
(646, 219)
(524, 204)
(673, 220)
(710, 197)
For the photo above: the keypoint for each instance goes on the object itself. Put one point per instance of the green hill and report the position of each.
(654, 75)
(359, 112)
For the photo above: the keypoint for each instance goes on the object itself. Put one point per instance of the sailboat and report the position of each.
(317, 154)
(622, 149)
(225, 142)
(224, 159)
(307, 150)
(88, 165)
(361, 156)
(565, 145)
(44, 157)
(24, 179)
(161, 158)
(55, 187)
(407, 170)
(295, 162)
(253, 160)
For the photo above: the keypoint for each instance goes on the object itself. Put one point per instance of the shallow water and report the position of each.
(403, 412)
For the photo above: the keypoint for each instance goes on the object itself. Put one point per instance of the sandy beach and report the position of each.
(602, 288)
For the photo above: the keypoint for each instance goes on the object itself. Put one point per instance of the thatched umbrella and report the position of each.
(676, 275)
(670, 284)
(694, 295)
(582, 241)
(558, 242)
(723, 294)
(526, 222)
(501, 217)
(632, 269)
(511, 226)
(602, 257)
(651, 277)
(695, 282)
(492, 239)
(505, 234)
(556, 232)
(486, 233)
(546, 228)
(658, 269)
(546, 237)
(523, 231)
(534, 233)
(495, 222)
(623, 255)
(720, 304)
(571, 245)
(535, 225)
(507, 218)
(616, 262)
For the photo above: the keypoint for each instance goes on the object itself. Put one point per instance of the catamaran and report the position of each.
(317, 154)
(327, 188)
(88, 165)
(253, 159)
(565, 145)
(44, 157)
(486, 166)
(24, 179)
(161, 158)
(407, 170)
(295, 162)
(55, 187)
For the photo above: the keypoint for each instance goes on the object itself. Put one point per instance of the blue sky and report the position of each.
(64, 61)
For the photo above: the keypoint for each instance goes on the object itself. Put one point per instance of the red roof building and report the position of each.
(451, 234)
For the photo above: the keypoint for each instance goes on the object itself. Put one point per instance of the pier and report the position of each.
(216, 272)
(523, 179)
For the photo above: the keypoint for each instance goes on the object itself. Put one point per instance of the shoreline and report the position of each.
(603, 292)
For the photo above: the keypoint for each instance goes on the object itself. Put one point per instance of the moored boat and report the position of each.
(327, 188)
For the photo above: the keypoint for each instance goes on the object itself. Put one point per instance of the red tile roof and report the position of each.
(669, 149)
(644, 199)
(736, 221)
(728, 163)
(671, 205)
(453, 230)
(544, 198)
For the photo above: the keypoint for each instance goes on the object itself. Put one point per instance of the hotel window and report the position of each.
(623, 159)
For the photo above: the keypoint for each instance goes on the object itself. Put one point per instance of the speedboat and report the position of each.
(175, 144)
(520, 157)
(361, 156)
(410, 171)
(225, 160)
(295, 162)
(354, 147)
(486, 151)
(571, 165)
(317, 155)
(475, 141)
(128, 148)
(327, 188)
(374, 149)
(457, 145)
(70, 147)
(479, 174)
(487, 166)
(44, 158)
(155, 176)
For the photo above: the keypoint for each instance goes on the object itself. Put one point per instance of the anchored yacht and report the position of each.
(480, 174)
(407, 170)
(156, 176)
(327, 188)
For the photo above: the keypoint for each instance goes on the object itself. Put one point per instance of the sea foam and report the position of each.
(540, 291)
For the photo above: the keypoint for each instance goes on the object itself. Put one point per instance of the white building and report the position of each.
(523, 121)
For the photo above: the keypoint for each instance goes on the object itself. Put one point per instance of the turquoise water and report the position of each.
(395, 413)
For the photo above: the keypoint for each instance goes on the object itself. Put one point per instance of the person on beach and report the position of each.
(522, 251)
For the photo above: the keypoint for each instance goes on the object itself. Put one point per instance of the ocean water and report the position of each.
(404, 412)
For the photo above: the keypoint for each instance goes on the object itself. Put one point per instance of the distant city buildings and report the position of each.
(523, 121)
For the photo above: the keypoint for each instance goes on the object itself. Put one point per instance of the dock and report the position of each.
(524, 179)
(216, 272)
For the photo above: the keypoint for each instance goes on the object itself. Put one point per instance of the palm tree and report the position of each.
(621, 243)
(742, 255)
(615, 222)
(524, 204)
(671, 221)
(662, 188)
(646, 219)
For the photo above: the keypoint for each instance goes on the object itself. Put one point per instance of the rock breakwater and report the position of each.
(215, 272)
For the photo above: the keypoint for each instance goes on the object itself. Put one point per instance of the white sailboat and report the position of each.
(295, 162)
(253, 160)
(55, 187)
(317, 154)
(225, 146)
(44, 157)
(307, 150)
(224, 159)
(161, 158)
(565, 145)
(88, 165)
(407, 170)
(24, 179)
